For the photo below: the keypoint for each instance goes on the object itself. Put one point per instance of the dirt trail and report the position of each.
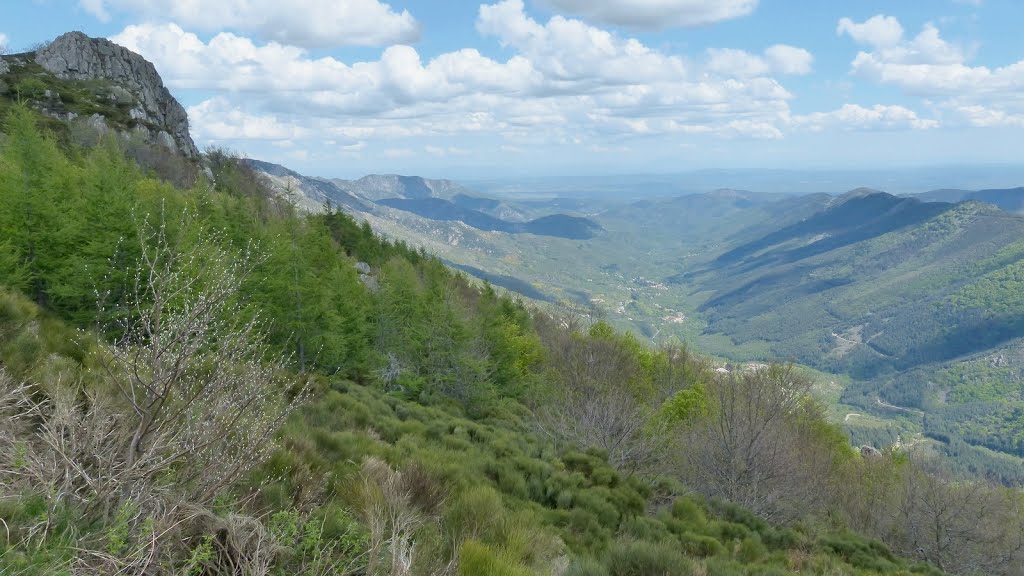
(857, 342)
(900, 408)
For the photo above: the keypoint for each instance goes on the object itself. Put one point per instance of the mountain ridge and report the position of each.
(1007, 199)
(436, 200)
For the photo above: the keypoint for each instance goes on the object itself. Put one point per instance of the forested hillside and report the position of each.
(200, 379)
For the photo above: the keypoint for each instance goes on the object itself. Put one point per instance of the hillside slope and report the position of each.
(203, 379)
(417, 400)
(432, 200)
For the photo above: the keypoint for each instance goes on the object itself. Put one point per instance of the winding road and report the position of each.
(895, 407)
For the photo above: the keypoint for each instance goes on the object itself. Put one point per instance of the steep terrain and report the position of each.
(76, 76)
(898, 293)
(436, 201)
(205, 379)
(310, 194)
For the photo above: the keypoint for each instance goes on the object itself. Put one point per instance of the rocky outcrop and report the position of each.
(75, 56)
(366, 276)
(869, 452)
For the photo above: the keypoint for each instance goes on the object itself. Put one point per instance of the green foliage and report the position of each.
(30, 82)
(200, 557)
(640, 558)
(476, 558)
(861, 553)
(426, 377)
(119, 530)
(684, 406)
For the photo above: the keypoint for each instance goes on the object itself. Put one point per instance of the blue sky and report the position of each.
(563, 87)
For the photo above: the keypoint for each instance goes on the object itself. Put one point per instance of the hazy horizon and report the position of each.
(510, 88)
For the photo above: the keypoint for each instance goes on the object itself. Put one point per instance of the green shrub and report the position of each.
(700, 545)
(477, 559)
(751, 549)
(729, 531)
(639, 558)
(475, 514)
(860, 552)
(644, 528)
(690, 512)
(586, 567)
(30, 88)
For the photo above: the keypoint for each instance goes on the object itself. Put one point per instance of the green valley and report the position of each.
(212, 365)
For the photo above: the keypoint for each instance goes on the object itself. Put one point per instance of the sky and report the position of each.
(513, 88)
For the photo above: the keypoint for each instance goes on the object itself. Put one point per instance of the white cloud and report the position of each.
(443, 151)
(233, 63)
(925, 64)
(564, 76)
(982, 117)
(565, 83)
(306, 23)
(729, 61)
(3, 40)
(879, 31)
(789, 59)
(855, 117)
(777, 59)
(353, 148)
(656, 14)
(569, 52)
(97, 8)
(217, 119)
(929, 66)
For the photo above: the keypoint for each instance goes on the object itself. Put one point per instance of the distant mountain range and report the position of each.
(1009, 199)
(919, 299)
(435, 200)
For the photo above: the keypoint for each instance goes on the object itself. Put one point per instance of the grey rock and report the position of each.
(165, 139)
(370, 282)
(363, 267)
(75, 56)
(119, 95)
(4, 67)
(869, 452)
(98, 123)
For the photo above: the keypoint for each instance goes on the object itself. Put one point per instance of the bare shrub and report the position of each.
(395, 505)
(192, 370)
(190, 406)
(169, 166)
(760, 447)
(594, 404)
(961, 527)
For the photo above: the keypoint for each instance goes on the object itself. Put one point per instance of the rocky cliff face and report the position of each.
(75, 56)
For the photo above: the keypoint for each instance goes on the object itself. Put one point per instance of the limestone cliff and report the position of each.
(75, 56)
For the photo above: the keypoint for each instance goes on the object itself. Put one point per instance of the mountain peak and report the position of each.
(861, 192)
(857, 193)
(76, 56)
